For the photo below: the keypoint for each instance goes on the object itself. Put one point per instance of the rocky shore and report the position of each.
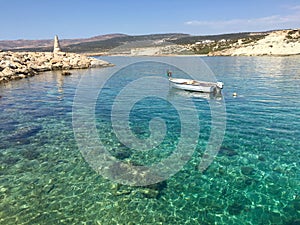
(276, 43)
(18, 65)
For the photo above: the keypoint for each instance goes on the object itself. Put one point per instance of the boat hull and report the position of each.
(193, 85)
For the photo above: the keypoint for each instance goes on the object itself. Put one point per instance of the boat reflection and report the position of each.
(174, 92)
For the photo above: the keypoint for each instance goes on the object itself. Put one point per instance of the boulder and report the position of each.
(66, 66)
(55, 60)
(98, 63)
(22, 70)
(8, 72)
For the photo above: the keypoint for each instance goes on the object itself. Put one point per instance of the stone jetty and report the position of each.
(18, 65)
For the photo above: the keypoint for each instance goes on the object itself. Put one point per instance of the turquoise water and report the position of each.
(254, 179)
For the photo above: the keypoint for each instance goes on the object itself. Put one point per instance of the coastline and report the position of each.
(193, 55)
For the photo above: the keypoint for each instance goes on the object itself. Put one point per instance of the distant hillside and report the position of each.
(48, 44)
(96, 44)
(279, 42)
(218, 37)
(107, 45)
(108, 42)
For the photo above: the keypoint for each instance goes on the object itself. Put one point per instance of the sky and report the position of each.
(42, 19)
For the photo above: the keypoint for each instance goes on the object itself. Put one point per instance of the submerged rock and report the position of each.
(235, 208)
(247, 170)
(261, 158)
(25, 132)
(154, 190)
(227, 151)
(123, 155)
(30, 154)
(293, 222)
(66, 73)
(10, 160)
(296, 204)
(150, 193)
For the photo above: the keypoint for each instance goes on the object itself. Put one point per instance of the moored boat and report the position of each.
(195, 85)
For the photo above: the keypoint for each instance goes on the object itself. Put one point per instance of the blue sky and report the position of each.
(42, 19)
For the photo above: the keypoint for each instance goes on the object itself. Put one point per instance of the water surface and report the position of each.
(255, 178)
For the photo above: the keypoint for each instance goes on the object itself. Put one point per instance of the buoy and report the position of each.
(234, 94)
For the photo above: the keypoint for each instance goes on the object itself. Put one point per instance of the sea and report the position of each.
(118, 145)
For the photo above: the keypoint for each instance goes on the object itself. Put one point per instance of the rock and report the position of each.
(66, 73)
(55, 60)
(8, 72)
(235, 208)
(123, 192)
(227, 151)
(66, 66)
(154, 190)
(98, 63)
(296, 204)
(22, 76)
(10, 160)
(30, 154)
(150, 193)
(17, 65)
(247, 170)
(294, 222)
(24, 133)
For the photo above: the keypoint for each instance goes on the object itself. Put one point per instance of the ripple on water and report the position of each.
(253, 180)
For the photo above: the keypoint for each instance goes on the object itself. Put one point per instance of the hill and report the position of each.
(277, 43)
(246, 43)
(48, 44)
(105, 43)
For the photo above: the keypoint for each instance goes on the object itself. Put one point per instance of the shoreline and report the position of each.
(190, 55)
(19, 65)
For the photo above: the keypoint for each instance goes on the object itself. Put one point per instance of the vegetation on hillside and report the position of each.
(205, 47)
(196, 44)
(293, 36)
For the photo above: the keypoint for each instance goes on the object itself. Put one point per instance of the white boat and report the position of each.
(195, 85)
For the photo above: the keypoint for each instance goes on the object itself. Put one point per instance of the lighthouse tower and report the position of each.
(56, 47)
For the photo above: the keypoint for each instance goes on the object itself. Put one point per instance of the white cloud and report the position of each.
(276, 19)
(254, 24)
(293, 7)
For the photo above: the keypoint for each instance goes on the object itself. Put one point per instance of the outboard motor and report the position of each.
(218, 88)
(220, 85)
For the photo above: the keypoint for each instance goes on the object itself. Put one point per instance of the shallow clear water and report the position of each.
(255, 178)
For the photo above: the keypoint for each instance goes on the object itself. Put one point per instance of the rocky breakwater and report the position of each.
(18, 65)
